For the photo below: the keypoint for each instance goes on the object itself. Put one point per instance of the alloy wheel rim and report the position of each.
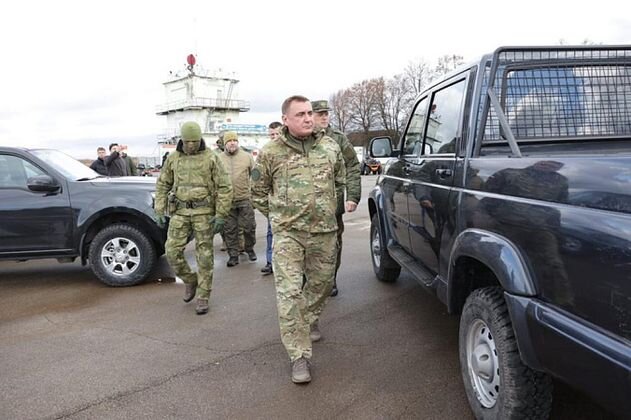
(120, 256)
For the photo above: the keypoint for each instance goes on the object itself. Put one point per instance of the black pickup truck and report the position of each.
(509, 197)
(52, 206)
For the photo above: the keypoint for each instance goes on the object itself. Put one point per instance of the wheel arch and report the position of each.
(375, 206)
(480, 258)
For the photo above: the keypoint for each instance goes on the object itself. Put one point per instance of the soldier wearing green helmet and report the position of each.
(194, 190)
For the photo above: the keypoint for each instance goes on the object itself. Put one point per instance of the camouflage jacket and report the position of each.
(295, 183)
(351, 163)
(195, 178)
(239, 167)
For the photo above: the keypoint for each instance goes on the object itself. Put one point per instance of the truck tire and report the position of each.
(121, 255)
(386, 269)
(498, 385)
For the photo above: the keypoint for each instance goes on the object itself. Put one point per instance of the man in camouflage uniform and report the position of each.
(239, 165)
(295, 184)
(353, 176)
(195, 191)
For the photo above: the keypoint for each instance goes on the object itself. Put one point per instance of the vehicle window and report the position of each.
(414, 135)
(31, 170)
(444, 119)
(14, 171)
(568, 102)
(69, 167)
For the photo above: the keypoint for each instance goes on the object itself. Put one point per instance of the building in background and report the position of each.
(209, 98)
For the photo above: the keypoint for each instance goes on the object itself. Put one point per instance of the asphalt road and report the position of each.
(72, 348)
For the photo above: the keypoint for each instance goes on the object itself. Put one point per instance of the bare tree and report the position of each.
(340, 110)
(383, 103)
(447, 63)
(362, 105)
(392, 99)
(416, 75)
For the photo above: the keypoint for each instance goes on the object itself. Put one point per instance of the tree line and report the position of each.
(381, 105)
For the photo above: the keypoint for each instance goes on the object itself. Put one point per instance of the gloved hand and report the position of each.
(218, 225)
(161, 220)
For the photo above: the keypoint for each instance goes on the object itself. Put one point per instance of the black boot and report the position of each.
(267, 270)
(334, 290)
(232, 261)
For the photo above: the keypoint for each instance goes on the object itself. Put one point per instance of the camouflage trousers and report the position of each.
(296, 253)
(340, 232)
(241, 216)
(180, 227)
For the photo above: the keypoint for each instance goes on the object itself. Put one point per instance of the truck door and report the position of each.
(30, 222)
(432, 173)
(397, 183)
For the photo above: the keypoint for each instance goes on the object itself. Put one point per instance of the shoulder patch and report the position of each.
(255, 174)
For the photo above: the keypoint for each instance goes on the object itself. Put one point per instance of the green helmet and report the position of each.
(191, 131)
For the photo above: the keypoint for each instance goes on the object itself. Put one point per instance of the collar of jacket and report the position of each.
(297, 144)
(239, 149)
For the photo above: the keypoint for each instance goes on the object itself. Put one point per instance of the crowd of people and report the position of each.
(303, 181)
(117, 163)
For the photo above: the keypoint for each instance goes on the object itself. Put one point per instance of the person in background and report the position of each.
(239, 165)
(273, 130)
(115, 164)
(295, 184)
(131, 166)
(194, 190)
(353, 176)
(99, 164)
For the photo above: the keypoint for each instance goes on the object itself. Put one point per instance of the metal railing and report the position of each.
(203, 103)
(557, 93)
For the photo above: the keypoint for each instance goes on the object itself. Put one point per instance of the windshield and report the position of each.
(69, 167)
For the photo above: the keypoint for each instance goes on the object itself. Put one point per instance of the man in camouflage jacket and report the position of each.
(353, 176)
(295, 183)
(194, 190)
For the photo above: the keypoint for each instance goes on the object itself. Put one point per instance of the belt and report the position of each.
(192, 204)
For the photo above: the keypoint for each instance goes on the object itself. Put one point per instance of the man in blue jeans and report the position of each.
(273, 130)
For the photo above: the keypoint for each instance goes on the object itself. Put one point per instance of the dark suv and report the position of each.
(52, 206)
(509, 197)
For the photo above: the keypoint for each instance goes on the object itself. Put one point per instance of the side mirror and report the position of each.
(380, 147)
(42, 183)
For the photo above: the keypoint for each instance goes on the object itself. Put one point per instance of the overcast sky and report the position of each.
(77, 75)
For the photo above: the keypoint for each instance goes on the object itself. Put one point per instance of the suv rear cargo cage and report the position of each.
(556, 93)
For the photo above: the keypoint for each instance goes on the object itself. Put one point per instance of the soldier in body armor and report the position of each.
(195, 190)
(353, 176)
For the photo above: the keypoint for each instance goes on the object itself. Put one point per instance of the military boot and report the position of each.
(251, 255)
(189, 291)
(232, 261)
(202, 306)
(315, 334)
(334, 290)
(300, 373)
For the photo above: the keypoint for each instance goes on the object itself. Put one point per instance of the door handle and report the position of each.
(444, 173)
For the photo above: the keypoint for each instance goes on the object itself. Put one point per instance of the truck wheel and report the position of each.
(498, 385)
(386, 269)
(122, 255)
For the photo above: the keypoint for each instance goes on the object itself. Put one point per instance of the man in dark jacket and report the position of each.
(99, 164)
(115, 164)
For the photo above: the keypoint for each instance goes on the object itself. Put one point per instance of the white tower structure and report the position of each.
(209, 98)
